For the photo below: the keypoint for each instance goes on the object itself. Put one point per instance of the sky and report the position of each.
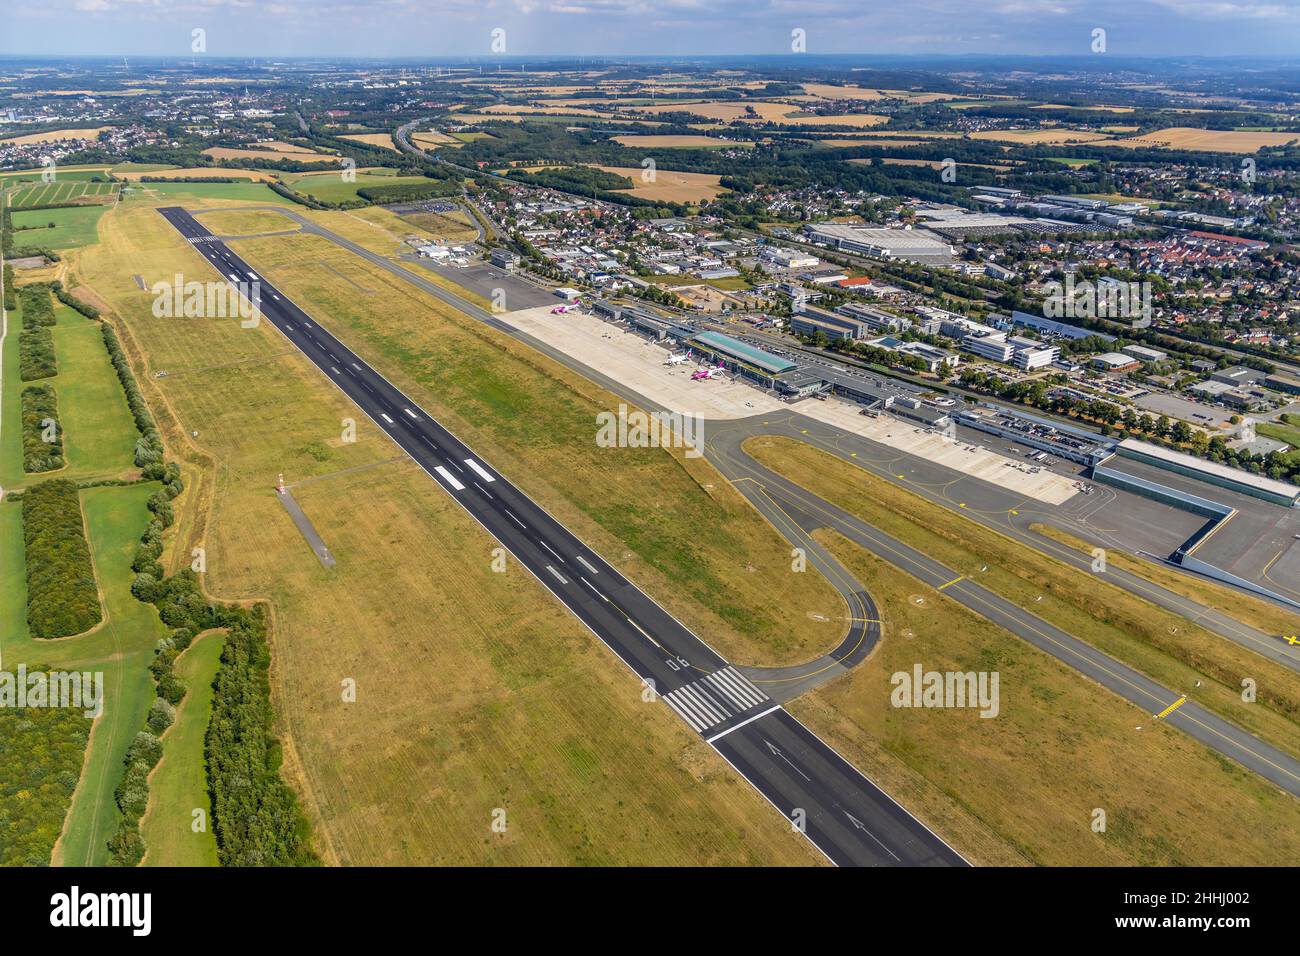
(440, 28)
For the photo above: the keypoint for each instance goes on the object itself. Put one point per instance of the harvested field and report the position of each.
(670, 186)
(382, 140)
(679, 142)
(55, 136)
(269, 155)
(1206, 140)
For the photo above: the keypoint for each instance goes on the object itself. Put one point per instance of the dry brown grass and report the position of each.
(475, 690)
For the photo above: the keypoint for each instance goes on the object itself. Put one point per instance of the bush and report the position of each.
(40, 405)
(256, 818)
(36, 354)
(161, 715)
(62, 598)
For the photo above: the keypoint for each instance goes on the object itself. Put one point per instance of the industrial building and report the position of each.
(1242, 482)
(913, 245)
(1145, 355)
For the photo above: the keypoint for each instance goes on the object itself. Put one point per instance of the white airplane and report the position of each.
(676, 359)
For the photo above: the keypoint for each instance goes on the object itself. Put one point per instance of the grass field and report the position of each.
(245, 222)
(55, 136)
(98, 432)
(330, 187)
(72, 227)
(121, 647)
(179, 783)
(195, 193)
(1022, 787)
(69, 173)
(61, 190)
(475, 690)
(700, 548)
(1167, 647)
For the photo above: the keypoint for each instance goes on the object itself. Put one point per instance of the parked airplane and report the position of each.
(707, 373)
(561, 309)
(677, 359)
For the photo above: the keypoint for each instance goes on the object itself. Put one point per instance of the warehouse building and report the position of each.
(1145, 355)
(1242, 482)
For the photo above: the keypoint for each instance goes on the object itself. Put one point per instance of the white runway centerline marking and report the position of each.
(449, 478)
(479, 469)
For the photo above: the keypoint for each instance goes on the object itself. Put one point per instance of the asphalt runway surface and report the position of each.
(843, 814)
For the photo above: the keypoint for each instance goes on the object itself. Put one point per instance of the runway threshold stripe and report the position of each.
(479, 469)
(449, 478)
(748, 720)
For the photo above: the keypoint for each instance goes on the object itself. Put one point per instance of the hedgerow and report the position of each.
(62, 598)
(40, 409)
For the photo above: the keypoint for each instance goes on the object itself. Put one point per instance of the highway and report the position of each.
(840, 811)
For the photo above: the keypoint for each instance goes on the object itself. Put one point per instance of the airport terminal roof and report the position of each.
(745, 353)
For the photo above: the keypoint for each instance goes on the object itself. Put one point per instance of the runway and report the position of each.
(840, 811)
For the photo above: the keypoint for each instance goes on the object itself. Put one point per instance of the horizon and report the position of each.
(399, 29)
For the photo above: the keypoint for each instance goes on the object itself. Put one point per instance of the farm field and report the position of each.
(679, 142)
(269, 155)
(670, 185)
(384, 140)
(179, 784)
(390, 781)
(1208, 140)
(330, 187)
(188, 172)
(72, 227)
(55, 136)
(1043, 137)
(59, 191)
(830, 92)
(434, 139)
